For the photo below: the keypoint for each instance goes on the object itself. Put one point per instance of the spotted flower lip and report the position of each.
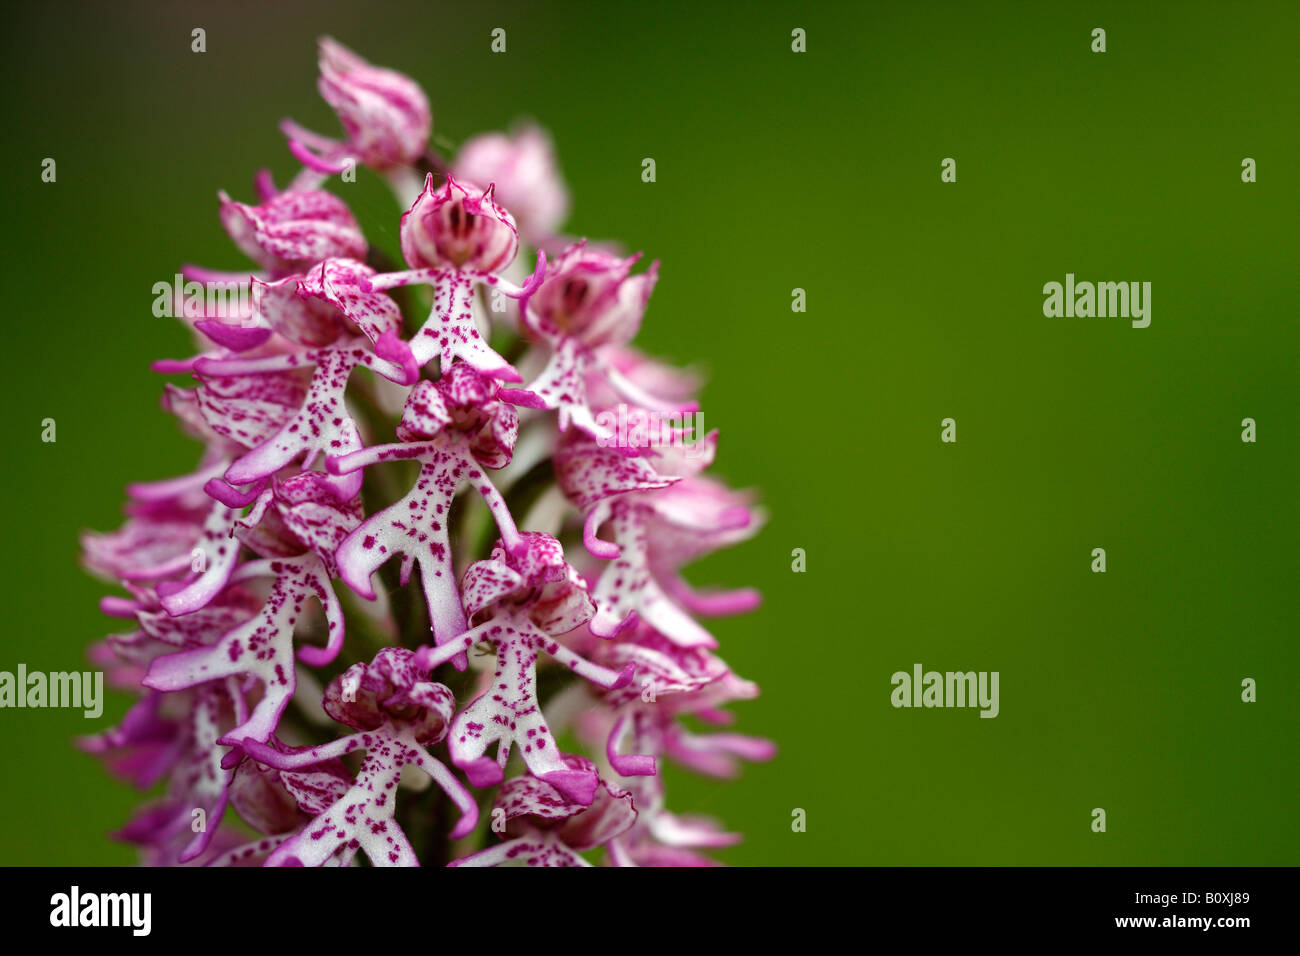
(385, 114)
(263, 646)
(455, 429)
(550, 559)
(321, 425)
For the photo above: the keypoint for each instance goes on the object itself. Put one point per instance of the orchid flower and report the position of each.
(320, 426)
(455, 238)
(455, 430)
(588, 301)
(197, 779)
(397, 714)
(640, 726)
(262, 647)
(526, 598)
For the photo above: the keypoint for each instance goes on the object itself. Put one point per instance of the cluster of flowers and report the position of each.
(224, 566)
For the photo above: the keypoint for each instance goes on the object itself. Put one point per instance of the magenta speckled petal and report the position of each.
(237, 338)
(293, 230)
(312, 512)
(218, 551)
(339, 283)
(543, 850)
(588, 472)
(321, 425)
(263, 646)
(301, 320)
(196, 781)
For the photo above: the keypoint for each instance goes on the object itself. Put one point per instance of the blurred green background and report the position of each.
(779, 170)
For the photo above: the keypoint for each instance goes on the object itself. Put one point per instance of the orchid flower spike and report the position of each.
(313, 724)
